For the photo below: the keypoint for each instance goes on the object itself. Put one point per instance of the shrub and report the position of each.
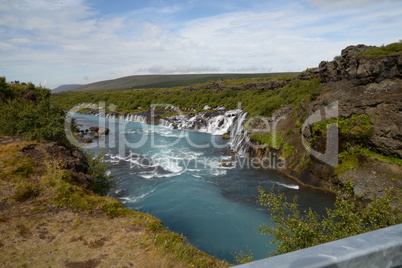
(26, 112)
(102, 182)
(296, 229)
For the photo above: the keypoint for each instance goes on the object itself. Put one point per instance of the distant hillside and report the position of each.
(63, 88)
(164, 81)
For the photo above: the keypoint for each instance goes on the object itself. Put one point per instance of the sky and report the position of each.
(55, 42)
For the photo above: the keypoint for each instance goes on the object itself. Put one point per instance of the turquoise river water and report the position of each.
(178, 176)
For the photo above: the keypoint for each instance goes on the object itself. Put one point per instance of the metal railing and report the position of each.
(380, 248)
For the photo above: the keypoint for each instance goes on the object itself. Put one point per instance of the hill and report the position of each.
(63, 88)
(164, 81)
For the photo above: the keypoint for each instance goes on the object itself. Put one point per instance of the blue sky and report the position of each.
(82, 41)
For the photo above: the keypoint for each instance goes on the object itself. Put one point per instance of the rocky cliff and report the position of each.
(367, 93)
(360, 70)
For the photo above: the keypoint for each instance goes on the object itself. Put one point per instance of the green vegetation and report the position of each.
(25, 191)
(242, 257)
(356, 127)
(391, 49)
(101, 183)
(275, 141)
(167, 81)
(354, 157)
(367, 152)
(354, 135)
(257, 101)
(354, 131)
(26, 111)
(296, 229)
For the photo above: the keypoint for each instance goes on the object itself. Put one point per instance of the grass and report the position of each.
(388, 159)
(256, 101)
(272, 140)
(353, 158)
(15, 169)
(275, 141)
(391, 49)
(353, 131)
(356, 126)
(166, 81)
(26, 191)
(54, 221)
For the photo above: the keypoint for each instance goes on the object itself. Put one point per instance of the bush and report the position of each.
(102, 182)
(297, 229)
(26, 111)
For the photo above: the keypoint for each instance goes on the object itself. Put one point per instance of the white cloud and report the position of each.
(44, 40)
(346, 4)
(45, 4)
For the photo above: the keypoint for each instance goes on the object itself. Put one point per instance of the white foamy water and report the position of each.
(193, 190)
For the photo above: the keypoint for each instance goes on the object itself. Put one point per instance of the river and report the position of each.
(188, 180)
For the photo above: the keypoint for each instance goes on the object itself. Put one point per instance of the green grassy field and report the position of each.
(251, 94)
(166, 81)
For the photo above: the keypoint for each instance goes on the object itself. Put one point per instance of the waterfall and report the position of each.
(129, 117)
(216, 123)
(138, 118)
(238, 137)
(165, 123)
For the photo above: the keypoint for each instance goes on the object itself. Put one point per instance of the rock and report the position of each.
(351, 51)
(73, 160)
(94, 129)
(103, 131)
(361, 70)
(99, 131)
(86, 140)
(370, 178)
